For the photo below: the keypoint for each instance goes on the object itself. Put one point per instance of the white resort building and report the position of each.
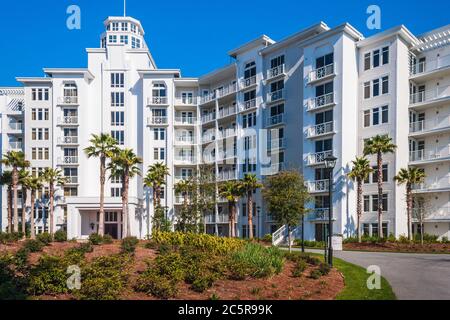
(280, 105)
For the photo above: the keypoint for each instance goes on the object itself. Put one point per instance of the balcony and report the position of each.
(322, 73)
(320, 214)
(222, 218)
(430, 98)
(276, 72)
(208, 138)
(16, 126)
(186, 101)
(276, 96)
(210, 219)
(67, 101)
(227, 155)
(442, 185)
(69, 160)
(274, 169)
(227, 176)
(185, 160)
(185, 121)
(71, 180)
(275, 120)
(208, 98)
(248, 105)
(157, 101)
(158, 121)
(68, 121)
(431, 126)
(228, 133)
(227, 90)
(318, 186)
(69, 140)
(184, 140)
(431, 68)
(207, 118)
(429, 156)
(179, 178)
(276, 144)
(321, 130)
(16, 145)
(324, 101)
(318, 159)
(227, 112)
(248, 83)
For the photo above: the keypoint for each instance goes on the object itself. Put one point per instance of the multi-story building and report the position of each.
(280, 105)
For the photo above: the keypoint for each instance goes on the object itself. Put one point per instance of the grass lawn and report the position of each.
(356, 283)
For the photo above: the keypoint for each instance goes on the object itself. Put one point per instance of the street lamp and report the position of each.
(330, 164)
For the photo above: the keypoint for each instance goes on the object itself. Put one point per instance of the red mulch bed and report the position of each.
(399, 247)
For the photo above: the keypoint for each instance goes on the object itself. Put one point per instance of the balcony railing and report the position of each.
(157, 120)
(248, 82)
(430, 125)
(320, 214)
(67, 100)
(228, 89)
(210, 218)
(68, 160)
(185, 120)
(226, 134)
(68, 140)
(429, 155)
(429, 95)
(275, 72)
(275, 120)
(17, 126)
(320, 102)
(226, 155)
(208, 137)
(274, 168)
(318, 158)
(250, 104)
(209, 117)
(227, 176)
(186, 159)
(321, 73)
(228, 111)
(208, 98)
(179, 178)
(16, 145)
(318, 186)
(276, 144)
(157, 101)
(184, 139)
(432, 185)
(186, 101)
(71, 180)
(68, 120)
(321, 129)
(223, 218)
(430, 65)
(276, 96)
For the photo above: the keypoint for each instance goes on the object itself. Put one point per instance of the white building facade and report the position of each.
(283, 105)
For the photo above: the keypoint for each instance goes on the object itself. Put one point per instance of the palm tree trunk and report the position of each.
(16, 212)
(289, 239)
(230, 219)
(101, 227)
(380, 195)
(233, 221)
(52, 200)
(10, 227)
(250, 214)
(359, 210)
(125, 206)
(409, 206)
(24, 211)
(32, 231)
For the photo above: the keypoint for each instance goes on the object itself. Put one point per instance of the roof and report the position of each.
(400, 31)
(175, 72)
(262, 40)
(130, 19)
(69, 71)
(218, 73)
(33, 79)
(434, 39)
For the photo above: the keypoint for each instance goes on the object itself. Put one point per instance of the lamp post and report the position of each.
(330, 164)
(258, 209)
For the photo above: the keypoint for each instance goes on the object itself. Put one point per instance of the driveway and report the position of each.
(412, 276)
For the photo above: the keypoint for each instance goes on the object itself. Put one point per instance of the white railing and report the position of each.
(228, 111)
(185, 159)
(275, 120)
(68, 160)
(209, 158)
(430, 65)
(245, 83)
(223, 218)
(432, 185)
(318, 158)
(185, 120)
(179, 178)
(322, 101)
(274, 168)
(429, 95)
(321, 73)
(68, 100)
(320, 214)
(157, 101)
(226, 155)
(18, 126)
(227, 176)
(209, 117)
(208, 137)
(276, 96)
(16, 145)
(207, 98)
(318, 186)
(210, 218)
(279, 236)
(275, 72)
(71, 180)
(186, 101)
(226, 134)
(157, 120)
(321, 129)
(276, 144)
(228, 89)
(429, 155)
(249, 104)
(429, 125)
(68, 120)
(68, 140)
(184, 139)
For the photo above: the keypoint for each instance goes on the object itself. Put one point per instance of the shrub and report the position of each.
(11, 286)
(60, 236)
(315, 274)
(45, 238)
(153, 283)
(7, 238)
(403, 239)
(95, 239)
(445, 240)
(310, 244)
(129, 244)
(268, 238)
(312, 260)
(299, 268)
(107, 239)
(324, 269)
(33, 245)
(21, 259)
(170, 265)
(392, 238)
(203, 282)
(48, 276)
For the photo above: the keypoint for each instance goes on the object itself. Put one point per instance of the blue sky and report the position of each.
(192, 35)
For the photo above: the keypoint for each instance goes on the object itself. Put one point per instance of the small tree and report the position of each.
(54, 178)
(185, 220)
(250, 184)
(423, 209)
(34, 184)
(24, 181)
(286, 196)
(6, 180)
(231, 191)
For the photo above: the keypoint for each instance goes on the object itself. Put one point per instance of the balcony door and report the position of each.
(324, 89)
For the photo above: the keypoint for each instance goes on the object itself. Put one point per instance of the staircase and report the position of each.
(281, 237)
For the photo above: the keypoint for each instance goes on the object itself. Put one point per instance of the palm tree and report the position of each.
(410, 177)
(360, 172)
(6, 180)
(124, 164)
(156, 179)
(184, 187)
(34, 185)
(103, 147)
(16, 160)
(249, 185)
(379, 145)
(232, 191)
(24, 177)
(53, 177)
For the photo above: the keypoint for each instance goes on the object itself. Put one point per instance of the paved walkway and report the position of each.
(412, 276)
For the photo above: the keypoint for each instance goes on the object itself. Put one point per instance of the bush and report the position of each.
(203, 282)
(60, 236)
(153, 283)
(315, 274)
(45, 238)
(445, 240)
(299, 268)
(268, 238)
(8, 238)
(48, 276)
(11, 286)
(170, 265)
(95, 239)
(33, 245)
(403, 239)
(310, 244)
(324, 269)
(107, 239)
(129, 244)
(312, 260)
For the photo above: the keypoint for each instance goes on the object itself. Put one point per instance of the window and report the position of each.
(116, 192)
(119, 136)
(376, 87)
(159, 154)
(324, 60)
(117, 118)
(385, 55)
(115, 26)
(366, 118)
(40, 94)
(366, 90)
(250, 72)
(324, 89)
(117, 80)
(159, 90)
(249, 165)
(40, 154)
(375, 229)
(367, 61)
(112, 38)
(375, 203)
(116, 179)
(124, 39)
(71, 192)
(376, 116)
(124, 26)
(366, 229)
(248, 96)
(133, 28)
(245, 231)
(117, 99)
(376, 58)
(159, 134)
(277, 86)
(276, 62)
(385, 173)
(39, 134)
(385, 85)
(385, 114)
(249, 120)
(324, 145)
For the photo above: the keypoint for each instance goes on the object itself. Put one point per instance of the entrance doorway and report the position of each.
(321, 232)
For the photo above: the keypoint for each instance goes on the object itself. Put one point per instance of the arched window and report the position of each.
(70, 90)
(159, 93)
